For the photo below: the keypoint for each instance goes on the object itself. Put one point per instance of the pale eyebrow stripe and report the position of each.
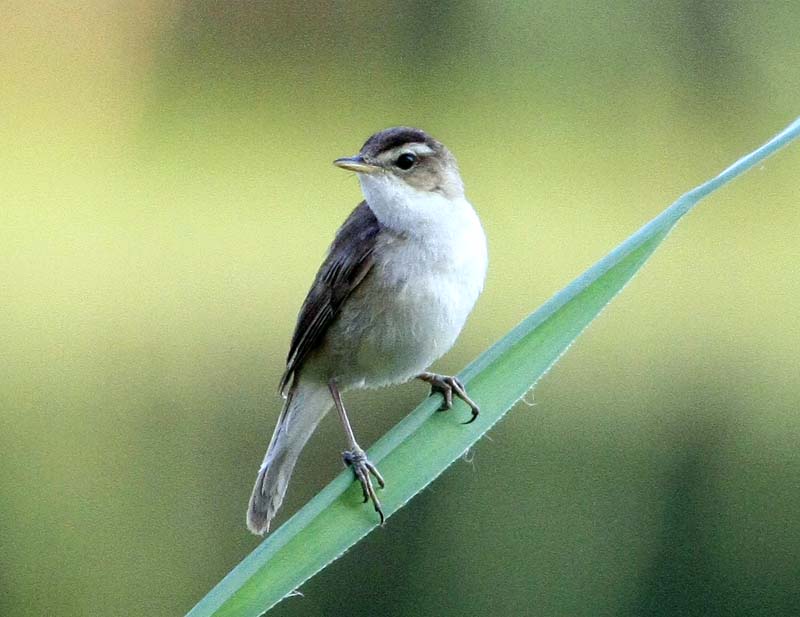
(418, 149)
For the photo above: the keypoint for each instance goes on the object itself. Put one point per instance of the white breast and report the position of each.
(428, 274)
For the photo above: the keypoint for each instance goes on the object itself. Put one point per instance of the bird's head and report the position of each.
(401, 162)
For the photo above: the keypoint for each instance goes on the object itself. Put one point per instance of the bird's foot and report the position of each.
(357, 460)
(448, 386)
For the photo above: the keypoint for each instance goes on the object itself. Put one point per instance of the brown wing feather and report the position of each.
(349, 259)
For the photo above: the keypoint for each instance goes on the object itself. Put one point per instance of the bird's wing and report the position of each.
(348, 261)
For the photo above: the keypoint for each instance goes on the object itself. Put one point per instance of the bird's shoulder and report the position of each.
(349, 259)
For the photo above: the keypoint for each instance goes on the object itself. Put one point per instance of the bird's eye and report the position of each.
(406, 160)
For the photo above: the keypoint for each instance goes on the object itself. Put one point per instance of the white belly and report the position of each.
(412, 306)
(417, 323)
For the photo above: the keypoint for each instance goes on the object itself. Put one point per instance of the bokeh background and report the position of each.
(167, 195)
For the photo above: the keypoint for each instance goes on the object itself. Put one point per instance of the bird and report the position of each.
(392, 295)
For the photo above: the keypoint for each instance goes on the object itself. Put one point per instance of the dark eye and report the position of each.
(406, 160)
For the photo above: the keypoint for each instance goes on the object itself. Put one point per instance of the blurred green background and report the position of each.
(167, 195)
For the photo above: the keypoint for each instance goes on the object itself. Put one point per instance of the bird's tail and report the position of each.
(304, 408)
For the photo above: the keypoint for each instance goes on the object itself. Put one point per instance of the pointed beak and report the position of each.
(357, 164)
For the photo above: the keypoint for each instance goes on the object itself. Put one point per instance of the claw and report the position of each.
(380, 513)
(374, 471)
(475, 413)
(362, 469)
(447, 385)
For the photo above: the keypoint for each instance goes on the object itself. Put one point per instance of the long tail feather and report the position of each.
(304, 408)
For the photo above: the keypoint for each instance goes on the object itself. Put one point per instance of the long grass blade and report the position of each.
(335, 519)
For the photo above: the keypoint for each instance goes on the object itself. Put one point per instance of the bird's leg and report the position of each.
(448, 386)
(355, 458)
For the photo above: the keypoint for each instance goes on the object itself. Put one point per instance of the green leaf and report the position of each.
(335, 519)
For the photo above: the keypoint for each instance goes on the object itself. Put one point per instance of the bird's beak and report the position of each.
(357, 164)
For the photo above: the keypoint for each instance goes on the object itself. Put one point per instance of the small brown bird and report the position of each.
(392, 296)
